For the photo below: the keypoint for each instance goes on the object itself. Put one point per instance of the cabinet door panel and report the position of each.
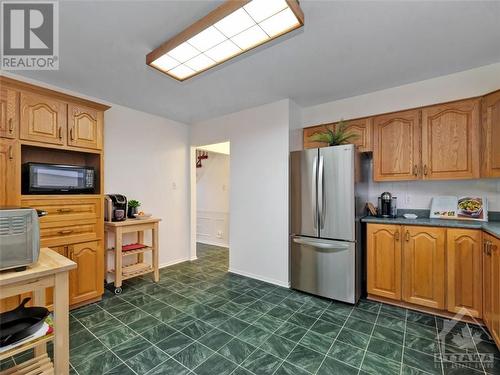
(491, 135)
(464, 270)
(384, 260)
(8, 112)
(87, 280)
(450, 146)
(42, 119)
(10, 186)
(491, 285)
(424, 266)
(85, 127)
(308, 132)
(396, 146)
(363, 130)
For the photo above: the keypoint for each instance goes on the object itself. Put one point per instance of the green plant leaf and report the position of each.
(334, 137)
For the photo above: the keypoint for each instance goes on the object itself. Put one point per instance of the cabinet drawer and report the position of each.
(66, 210)
(61, 233)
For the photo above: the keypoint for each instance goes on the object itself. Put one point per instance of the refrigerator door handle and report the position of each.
(314, 201)
(322, 245)
(321, 195)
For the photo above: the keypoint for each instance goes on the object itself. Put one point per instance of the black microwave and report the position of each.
(42, 178)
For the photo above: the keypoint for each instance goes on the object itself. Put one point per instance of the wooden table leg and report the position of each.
(156, 271)
(61, 324)
(118, 257)
(106, 239)
(39, 300)
(140, 239)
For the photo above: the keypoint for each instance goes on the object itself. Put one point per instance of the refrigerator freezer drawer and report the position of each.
(324, 268)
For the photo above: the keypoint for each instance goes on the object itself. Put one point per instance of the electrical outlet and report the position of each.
(408, 200)
(219, 234)
(174, 186)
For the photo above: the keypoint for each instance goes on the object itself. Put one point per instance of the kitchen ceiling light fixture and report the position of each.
(233, 28)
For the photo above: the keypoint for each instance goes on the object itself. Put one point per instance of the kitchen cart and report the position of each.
(140, 267)
(51, 270)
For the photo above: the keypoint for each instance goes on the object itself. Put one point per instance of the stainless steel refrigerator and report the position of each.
(325, 256)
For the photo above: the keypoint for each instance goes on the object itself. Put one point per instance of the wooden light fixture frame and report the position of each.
(210, 19)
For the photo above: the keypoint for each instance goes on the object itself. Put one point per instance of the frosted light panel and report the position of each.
(255, 23)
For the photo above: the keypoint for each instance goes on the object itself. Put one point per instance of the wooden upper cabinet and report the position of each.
(491, 135)
(85, 127)
(491, 282)
(384, 260)
(10, 186)
(87, 280)
(43, 119)
(396, 146)
(424, 266)
(363, 130)
(308, 132)
(464, 270)
(450, 140)
(9, 100)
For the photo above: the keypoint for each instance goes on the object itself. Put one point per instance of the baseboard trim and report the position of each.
(261, 278)
(212, 243)
(171, 263)
(193, 258)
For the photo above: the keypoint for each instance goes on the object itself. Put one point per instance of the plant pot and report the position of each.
(131, 212)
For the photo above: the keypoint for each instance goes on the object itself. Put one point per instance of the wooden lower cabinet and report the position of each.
(384, 260)
(491, 285)
(87, 280)
(464, 270)
(424, 266)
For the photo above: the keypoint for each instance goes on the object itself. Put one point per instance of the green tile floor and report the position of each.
(200, 319)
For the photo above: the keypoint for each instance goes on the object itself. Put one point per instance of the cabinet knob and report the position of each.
(396, 235)
(425, 170)
(415, 170)
(71, 134)
(11, 153)
(11, 126)
(66, 231)
(64, 210)
(407, 235)
(60, 132)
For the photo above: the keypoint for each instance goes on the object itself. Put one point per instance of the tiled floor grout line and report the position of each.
(477, 351)
(404, 341)
(369, 339)
(102, 344)
(195, 340)
(335, 340)
(297, 343)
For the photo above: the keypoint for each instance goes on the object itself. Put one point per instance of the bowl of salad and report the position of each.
(471, 207)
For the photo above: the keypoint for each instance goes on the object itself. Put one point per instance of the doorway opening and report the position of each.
(210, 195)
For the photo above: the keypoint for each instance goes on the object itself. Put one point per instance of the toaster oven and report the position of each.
(19, 237)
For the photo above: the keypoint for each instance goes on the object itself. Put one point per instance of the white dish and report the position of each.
(410, 216)
(142, 217)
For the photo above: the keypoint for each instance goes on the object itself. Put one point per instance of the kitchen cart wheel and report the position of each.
(118, 290)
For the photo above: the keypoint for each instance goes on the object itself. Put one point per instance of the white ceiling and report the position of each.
(346, 48)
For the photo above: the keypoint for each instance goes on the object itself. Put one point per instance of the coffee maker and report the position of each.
(115, 207)
(387, 205)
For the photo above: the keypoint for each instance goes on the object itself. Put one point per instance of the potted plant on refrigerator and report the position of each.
(338, 135)
(132, 208)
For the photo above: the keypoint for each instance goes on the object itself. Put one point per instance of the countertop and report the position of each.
(49, 263)
(492, 227)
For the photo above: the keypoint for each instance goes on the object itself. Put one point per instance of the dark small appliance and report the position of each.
(43, 178)
(115, 207)
(387, 206)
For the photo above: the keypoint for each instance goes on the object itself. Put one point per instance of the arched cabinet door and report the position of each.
(43, 119)
(384, 260)
(85, 127)
(424, 266)
(491, 135)
(87, 280)
(396, 146)
(8, 112)
(450, 140)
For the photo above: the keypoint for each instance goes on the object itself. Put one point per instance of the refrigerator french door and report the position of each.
(323, 247)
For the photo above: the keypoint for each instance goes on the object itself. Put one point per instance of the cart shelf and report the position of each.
(133, 252)
(27, 345)
(41, 365)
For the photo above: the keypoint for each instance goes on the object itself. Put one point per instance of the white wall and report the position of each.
(259, 187)
(460, 85)
(146, 158)
(474, 82)
(212, 191)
